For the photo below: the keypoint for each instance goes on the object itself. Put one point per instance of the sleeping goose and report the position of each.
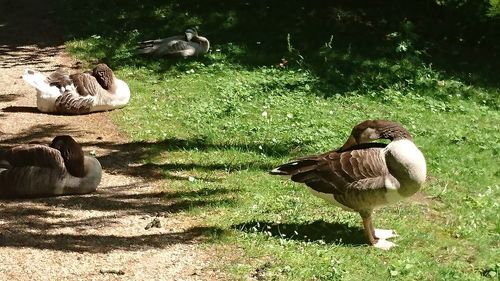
(189, 44)
(361, 175)
(34, 170)
(78, 93)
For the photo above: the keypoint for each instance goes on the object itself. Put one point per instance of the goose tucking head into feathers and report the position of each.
(33, 170)
(362, 175)
(185, 45)
(78, 93)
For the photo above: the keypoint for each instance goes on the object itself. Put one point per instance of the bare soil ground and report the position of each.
(100, 236)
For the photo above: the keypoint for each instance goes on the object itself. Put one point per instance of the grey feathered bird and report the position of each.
(186, 45)
(361, 175)
(34, 170)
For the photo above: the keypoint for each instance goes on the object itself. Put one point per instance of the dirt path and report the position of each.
(100, 236)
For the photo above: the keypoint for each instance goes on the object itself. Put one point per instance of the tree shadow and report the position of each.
(38, 133)
(101, 243)
(30, 226)
(350, 45)
(330, 233)
(126, 158)
(126, 204)
(35, 27)
(134, 158)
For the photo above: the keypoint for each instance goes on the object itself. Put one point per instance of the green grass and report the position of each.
(215, 126)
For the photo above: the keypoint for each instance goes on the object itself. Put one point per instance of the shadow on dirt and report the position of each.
(19, 109)
(100, 243)
(30, 225)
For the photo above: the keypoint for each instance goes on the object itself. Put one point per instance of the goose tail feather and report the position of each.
(295, 167)
(36, 80)
(149, 46)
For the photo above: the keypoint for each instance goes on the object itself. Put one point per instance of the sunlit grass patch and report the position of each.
(219, 123)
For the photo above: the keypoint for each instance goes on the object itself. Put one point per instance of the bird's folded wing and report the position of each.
(59, 78)
(337, 173)
(74, 104)
(86, 84)
(34, 155)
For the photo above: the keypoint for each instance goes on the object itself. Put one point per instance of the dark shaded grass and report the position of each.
(351, 45)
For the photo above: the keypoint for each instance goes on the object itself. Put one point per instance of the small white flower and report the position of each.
(191, 179)
(264, 114)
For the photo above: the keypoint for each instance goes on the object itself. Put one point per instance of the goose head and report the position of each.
(72, 154)
(371, 130)
(192, 36)
(104, 76)
(190, 33)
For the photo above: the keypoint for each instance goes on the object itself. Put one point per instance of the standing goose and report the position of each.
(189, 44)
(78, 93)
(34, 170)
(361, 176)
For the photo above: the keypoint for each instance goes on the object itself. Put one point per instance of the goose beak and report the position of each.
(351, 141)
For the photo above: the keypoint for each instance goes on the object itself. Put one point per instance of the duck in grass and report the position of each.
(185, 45)
(363, 175)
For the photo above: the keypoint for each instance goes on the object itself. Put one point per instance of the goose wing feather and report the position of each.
(341, 172)
(86, 84)
(31, 168)
(73, 104)
(159, 46)
(179, 47)
(59, 78)
(34, 155)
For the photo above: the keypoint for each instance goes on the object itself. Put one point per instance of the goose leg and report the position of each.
(371, 234)
(367, 227)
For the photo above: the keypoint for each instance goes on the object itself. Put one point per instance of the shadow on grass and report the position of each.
(126, 158)
(330, 233)
(459, 39)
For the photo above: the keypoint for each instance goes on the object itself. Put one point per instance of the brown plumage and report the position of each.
(59, 78)
(72, 154)
(361, 176)
(78, 93)
(34, 170)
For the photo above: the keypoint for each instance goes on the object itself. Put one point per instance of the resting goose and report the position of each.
(34, 170)
(361, 176)
(189, 44)
(78, 93)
